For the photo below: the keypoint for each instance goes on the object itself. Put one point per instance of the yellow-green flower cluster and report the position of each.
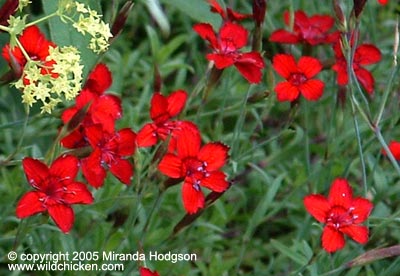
(90, 22)
(23, 3)
(60, 78)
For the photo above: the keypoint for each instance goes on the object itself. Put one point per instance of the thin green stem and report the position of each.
(21, 138)
(44, 18)
(155, 206)
(27, 57)
(381, 140)
(4, 28)
(307, 139)
(386, 95)
(360, 149)
(240, 123)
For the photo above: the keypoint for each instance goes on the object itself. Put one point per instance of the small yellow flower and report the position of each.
(60, 81)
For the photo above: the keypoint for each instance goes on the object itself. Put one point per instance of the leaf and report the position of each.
(198, 10)
(289, 252)
(63, 34)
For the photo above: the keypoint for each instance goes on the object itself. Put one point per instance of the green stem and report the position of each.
(27, 57)
(386, 95)
(378, 135)
(307, 140)
(155, 206)
(5, 29)
(44, 18)
(239, 123)
(360, 150)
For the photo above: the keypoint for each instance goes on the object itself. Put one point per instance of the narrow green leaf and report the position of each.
(289, 252)
(198, 10)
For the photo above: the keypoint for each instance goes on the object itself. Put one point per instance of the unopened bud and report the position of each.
(121, 18)
(358, 7)
(259, 8)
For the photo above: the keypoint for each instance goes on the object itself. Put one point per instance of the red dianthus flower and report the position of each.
(341, 213)
(197, 166)
(365, 54)
(312, 30)
(226, 45)
(55, 190)
(298, 77)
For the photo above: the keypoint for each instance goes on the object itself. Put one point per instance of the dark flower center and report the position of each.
(340, 217)
(297, 79)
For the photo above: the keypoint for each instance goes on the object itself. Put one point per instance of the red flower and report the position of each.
(162, 110)
(35, 44)
(99, 80)
(299, 77)
(55, 190)
(102, 109)
(229, 14)
(342, 214)
(147, 272)
(197, 166)
(394, 148)
(383, 2)
(226, 45)
(312, 30)
(109, 152)
(365, 54)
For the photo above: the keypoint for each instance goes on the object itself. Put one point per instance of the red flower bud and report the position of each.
(259, 8)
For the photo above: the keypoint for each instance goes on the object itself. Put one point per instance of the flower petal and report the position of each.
(284, 65)
(366, 79)
(36, 172)
(312, 89)
(250, 65)
(77, 193)
(340, 67)
(105, 110)
(193, 199)
(65, 167)
(318, 206)
(188, 142)
(367, 54)
(63, 216)
(394, 148)
(214, 155)
(94, 134)
(99, 80)
(158, 108)
(123, 170)
(359, 233)
(232, 35)
(332, 240)
(322, 22)
(309, 66)
(147, 272)
(221, 61)
(92, 169)
(341, 193)
(215, 181)
(125, 142)
(206, 32)
(30, 204)
(285, 91)
(176, 102)
(172, 166)
(362, 209)
(283, 36)
(147, 136)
